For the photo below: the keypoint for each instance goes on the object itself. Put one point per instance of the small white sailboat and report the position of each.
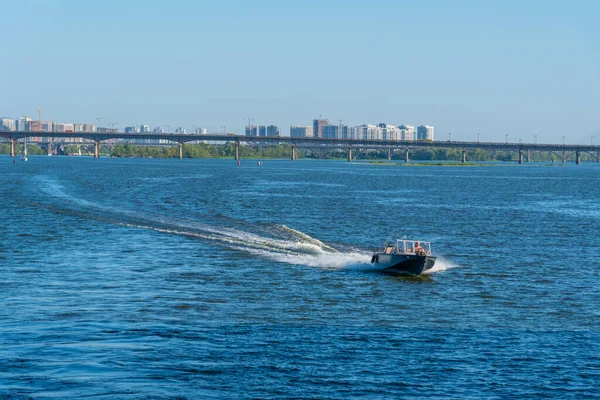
(24, 158)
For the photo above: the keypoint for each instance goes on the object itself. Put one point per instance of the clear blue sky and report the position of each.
(493, 67)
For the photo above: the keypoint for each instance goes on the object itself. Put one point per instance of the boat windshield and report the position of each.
(409, 246)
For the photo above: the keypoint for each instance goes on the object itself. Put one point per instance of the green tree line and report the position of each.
(282, 151)
(202, 150)
(31, 149)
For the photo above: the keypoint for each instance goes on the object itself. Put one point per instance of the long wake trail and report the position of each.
(279, 243)
(298, 248)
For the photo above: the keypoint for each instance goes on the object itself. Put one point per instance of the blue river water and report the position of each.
(133, 278)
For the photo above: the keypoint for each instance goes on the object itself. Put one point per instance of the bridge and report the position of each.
(309, 142)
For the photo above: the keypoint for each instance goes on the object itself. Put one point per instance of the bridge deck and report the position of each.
(299, 141)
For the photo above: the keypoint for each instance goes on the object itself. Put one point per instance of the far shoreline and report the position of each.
(385, 163)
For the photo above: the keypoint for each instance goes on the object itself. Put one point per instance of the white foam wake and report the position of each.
(441, 264)
(300, 249)
(325, 260)
(307, 238)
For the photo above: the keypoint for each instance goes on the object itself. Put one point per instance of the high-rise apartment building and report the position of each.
(132, 129)
(389, 132)
(329, 131)
(318, 125)
(35, 126)
(7, 124)
(335, 132)
(425, 132)
(144, 129)
(262, 130)
(343, 132)
(251, 130)
(407, 132)
(301, 131)
(355, 132)
(374, 132)
(23, 123)
(273, 130)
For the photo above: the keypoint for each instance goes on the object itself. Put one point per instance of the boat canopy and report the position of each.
(405, 246)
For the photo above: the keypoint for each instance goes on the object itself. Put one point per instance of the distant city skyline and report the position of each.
(466, 67)
(321, 126)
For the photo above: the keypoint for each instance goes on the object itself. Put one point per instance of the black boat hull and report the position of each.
(402, 264)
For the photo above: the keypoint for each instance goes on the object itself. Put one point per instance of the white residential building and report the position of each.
(7, 124)
(425, 132)
(23, 123)
(407, 132)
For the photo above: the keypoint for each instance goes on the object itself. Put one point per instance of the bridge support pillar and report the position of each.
(520, 156)
(237, 151)
(528, 156)
(577, 157)
(181, 151)
(598, 156)
(406, 154)
(49, 149)
(389, 154)
(349, 154)
(294, 152)
(96, 149)
(464, 156)
(564, 157)
(13, 153)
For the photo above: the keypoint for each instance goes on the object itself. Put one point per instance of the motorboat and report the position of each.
(403, 257)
